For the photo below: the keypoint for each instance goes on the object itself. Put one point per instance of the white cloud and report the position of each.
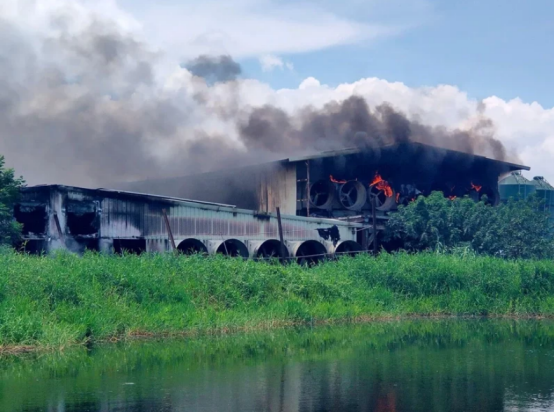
(248, 28)
(308, 83)
(270, 62)
(49, 17)
(526, 128)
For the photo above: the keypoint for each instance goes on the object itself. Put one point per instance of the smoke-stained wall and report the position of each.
(260, 187)
(408, 169)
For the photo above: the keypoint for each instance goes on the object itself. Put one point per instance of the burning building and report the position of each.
(333, 202)
(344, 184)
(79, 219)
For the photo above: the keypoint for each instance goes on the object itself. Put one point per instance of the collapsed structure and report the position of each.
(333, 203)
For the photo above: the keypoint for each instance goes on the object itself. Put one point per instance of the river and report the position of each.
(410, 365)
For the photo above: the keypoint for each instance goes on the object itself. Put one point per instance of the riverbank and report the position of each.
(63, 300)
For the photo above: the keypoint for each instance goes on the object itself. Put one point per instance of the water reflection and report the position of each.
(406, 365)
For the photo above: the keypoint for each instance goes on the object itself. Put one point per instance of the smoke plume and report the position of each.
(90, 107)
(352, 123)
(215, 68)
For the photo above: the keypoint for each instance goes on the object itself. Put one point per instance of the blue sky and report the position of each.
(485, 47)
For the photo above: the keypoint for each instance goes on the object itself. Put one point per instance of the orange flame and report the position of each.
(397, 197)
(476, 187)
(452, 197)
(337, 181)
(381, 185)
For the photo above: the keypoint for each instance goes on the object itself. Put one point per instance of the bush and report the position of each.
(10, 230)
(517, 229)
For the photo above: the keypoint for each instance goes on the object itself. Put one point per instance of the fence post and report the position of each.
(365, 238)
(280, 226)
(169, 232)
(374, 218)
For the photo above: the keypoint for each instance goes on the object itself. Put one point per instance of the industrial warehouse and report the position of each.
(332, 203)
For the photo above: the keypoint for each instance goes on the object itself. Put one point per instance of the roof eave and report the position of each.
(350, 151)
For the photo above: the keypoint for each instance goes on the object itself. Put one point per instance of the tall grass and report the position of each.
(63, 299)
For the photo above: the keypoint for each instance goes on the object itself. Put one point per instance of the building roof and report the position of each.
(542, 184)
(137, 196)
(515, 178)
(114, 192)
(350, 151)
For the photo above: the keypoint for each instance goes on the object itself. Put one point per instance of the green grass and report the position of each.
(61, 300)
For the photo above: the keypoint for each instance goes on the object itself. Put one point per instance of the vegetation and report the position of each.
(517, 229)
(10, 230)
(59, 300)
(434, 364)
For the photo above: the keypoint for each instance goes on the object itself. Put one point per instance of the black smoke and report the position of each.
(215, 69)
(85, 108)
(352, 123)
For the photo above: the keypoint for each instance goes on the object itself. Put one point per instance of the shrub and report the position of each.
(516, 229)
(10, 230)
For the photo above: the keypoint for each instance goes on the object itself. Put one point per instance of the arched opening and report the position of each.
(192, 246)
(271, 249)
(350, 248)
(233, 248)
(310, 252)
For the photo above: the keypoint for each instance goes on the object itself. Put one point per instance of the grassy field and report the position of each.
(62, 300)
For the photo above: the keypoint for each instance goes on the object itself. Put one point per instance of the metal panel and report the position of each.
(277, 188)
(122, 216)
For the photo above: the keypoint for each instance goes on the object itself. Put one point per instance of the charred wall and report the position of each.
(344, 185)
(79, 219)
(259, 187)
(348, 177)
(233, 187)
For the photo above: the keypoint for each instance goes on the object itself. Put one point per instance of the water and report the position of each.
(403, 365)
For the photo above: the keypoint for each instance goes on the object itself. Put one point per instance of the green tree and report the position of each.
(517, 229)
(10, 230)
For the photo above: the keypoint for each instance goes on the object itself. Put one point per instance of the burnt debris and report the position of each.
(330, 233)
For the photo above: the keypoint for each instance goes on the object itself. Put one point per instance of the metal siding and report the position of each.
(133, 217)
(277, 188)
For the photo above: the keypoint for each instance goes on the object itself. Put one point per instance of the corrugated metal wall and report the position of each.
(129, 219)
(277, 188)
(134, 216)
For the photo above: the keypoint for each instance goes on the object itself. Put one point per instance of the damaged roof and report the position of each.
(350, 151)
(112, 192)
